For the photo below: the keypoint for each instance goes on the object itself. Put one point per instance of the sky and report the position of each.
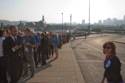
(33, 10)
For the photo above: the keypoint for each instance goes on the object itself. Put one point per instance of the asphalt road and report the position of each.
(90, 57)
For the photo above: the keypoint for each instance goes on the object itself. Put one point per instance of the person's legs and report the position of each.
(44, 58)
(56, 53)
(3, 75)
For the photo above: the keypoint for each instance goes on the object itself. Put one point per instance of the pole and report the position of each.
(89, 19)
(62, 22)
(70, 25)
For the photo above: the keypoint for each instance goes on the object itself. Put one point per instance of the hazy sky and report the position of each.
(32, 10)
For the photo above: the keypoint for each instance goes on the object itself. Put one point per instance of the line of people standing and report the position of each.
(18, 47)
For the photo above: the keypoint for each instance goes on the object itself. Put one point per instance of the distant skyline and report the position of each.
(33, 10)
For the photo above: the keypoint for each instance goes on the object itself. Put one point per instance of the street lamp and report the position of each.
(70, 20)
(89, 19)
(70, 25)
(62, 22)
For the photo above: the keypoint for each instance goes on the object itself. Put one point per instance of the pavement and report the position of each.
(64, 70)
(120, 40)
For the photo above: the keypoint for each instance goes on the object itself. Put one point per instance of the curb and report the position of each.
(80, 78)
(119, 42)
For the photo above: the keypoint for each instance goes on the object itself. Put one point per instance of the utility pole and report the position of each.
(70, 25)
(89, 20)
(62, 22)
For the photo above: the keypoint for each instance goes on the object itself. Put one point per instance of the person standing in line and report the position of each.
(112, 64)
(55, 43)
(3, 76)
(44, 48)
(10, 50)
(29, 45)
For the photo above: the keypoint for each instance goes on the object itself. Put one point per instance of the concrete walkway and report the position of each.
(64, 70)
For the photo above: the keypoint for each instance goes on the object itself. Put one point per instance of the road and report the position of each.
(90, 58)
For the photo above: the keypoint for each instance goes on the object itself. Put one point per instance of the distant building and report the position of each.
(114, 22)
(124, 17)
(99, 22)
(38, 26)
(83, 21)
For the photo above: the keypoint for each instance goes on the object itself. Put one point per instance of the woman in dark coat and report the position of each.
(112, 64)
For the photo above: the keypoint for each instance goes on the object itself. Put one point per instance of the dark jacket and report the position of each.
(112, 67)
(8, 44)
(13, 62)
(44, 44)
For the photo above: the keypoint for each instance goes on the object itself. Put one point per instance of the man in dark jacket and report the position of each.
(10, 50)
(44, 48)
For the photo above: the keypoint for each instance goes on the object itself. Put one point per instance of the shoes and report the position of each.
(32, 75)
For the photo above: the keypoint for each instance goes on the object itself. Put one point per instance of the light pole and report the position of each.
(70, 25)
(70, 20)
(89, 19)
(62, 22)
